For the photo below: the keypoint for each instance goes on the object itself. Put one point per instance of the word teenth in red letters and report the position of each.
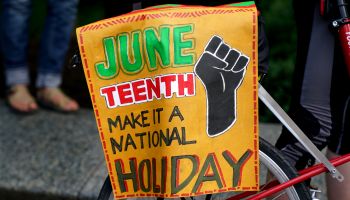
(148, 89)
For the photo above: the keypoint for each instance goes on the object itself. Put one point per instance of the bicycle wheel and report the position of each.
(273, 162)
(273, 166)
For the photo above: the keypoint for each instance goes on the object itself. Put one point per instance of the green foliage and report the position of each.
(281, 33)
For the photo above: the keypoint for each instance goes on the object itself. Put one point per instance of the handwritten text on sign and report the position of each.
(175, 101)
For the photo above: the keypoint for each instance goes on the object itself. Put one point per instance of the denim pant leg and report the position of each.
(14, 40)
(55, 40)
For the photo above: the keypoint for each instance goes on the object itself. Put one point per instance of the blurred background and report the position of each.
(280, 29)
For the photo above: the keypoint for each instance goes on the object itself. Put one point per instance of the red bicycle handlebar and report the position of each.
(343, 26)
(274, 187)
(344, 37)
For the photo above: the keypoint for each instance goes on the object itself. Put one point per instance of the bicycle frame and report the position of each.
(274, 187)
(266, 98)
(343, 27)
(323, 166)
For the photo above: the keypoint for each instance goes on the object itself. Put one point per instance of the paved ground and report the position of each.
(49, 155)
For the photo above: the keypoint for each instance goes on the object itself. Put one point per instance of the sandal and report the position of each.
(20, 99)
(55, 99)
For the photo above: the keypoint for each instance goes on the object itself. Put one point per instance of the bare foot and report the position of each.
(54, 98)
(20, 99)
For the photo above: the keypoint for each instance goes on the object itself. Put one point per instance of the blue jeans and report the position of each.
(60, 20)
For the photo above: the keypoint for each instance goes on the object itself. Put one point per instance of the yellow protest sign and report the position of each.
(174, 90)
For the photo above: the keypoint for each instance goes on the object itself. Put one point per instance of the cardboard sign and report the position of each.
(174, 90)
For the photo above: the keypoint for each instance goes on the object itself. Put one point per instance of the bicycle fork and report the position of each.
(266, 98)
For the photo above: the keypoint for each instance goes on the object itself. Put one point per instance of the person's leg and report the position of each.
(311, 108)
(339, 142)
(322, 107)
(14, 41)
(59, 25)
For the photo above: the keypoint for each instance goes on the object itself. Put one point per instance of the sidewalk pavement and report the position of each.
(49, 155)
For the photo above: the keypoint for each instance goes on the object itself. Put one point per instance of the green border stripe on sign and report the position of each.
(247, 3)
(166, 5)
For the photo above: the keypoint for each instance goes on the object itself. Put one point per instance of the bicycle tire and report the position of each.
(282, 170)
(270, 157)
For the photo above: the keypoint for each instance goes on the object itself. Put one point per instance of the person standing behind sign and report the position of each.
(320, 103)
(59, 23)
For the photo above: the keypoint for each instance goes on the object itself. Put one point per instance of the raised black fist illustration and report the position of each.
(221, 70)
